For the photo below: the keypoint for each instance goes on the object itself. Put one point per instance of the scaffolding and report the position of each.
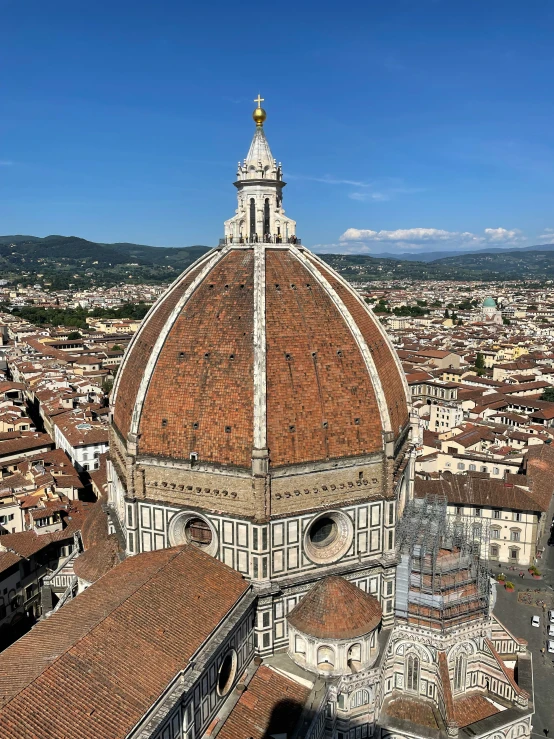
(443, 578)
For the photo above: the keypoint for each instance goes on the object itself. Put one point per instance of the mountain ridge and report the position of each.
(60, 261)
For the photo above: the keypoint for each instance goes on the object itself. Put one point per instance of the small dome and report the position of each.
(336, 609)
(489, 303)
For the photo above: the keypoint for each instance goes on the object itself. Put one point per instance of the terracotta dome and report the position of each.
(336, 609)
(260, 347)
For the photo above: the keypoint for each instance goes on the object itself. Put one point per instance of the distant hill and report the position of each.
(516, 264)
(59, 261)
(432, 256)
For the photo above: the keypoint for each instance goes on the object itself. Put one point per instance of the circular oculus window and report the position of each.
(227, 673)
(191, 528)
(328, 537)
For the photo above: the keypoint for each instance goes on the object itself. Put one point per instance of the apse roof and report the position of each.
(335, 608)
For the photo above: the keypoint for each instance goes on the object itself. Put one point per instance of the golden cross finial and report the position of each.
(259, 100)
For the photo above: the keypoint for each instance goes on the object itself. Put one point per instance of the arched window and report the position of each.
(252, 217)
(325, 658)
(267, 227)
(354, 653)
(460, 668)
(299, 646)
(412, 673)
(360, 698)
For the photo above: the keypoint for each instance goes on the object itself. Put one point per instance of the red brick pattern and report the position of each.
(320, 400)
(415, 710)
(380, 351)
(471, 708)
(95, 667)
(271, 705)
(200, 397)
(444, 676)
(133, 371)
(336, 609)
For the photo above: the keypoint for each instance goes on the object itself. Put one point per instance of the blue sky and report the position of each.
(401, 125)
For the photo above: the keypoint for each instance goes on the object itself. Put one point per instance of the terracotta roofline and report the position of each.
(447, 690)
(505, 671)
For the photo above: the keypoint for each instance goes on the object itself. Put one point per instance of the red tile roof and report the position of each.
(416, 711)
(471, 708)
(271, 705)
(95, 667)
(480, 491)
(336, 609)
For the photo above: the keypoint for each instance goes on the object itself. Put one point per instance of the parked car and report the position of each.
(551, 616)
(535, 621)
(551, 630)
(550, 645)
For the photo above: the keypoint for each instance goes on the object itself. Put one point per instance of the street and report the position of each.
(517, 618)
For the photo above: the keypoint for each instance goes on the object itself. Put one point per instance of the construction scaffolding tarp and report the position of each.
(443, 576)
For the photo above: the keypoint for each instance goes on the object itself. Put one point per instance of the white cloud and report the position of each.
(366, 191)
(365, 196)
(548, 234)
(5, 163)
(401, 234)
(418, 237)
(503, 234)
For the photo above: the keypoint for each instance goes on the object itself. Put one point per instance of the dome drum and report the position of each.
(333, 657)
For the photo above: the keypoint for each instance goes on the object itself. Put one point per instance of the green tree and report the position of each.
(382, 307)
(479, 361)
(116, 348)
(107, 385)
(72, 335)
(548, 394)
(446, 313)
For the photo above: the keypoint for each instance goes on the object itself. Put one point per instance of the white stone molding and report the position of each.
(382, 331)
(467, 648)
(340, 545)
(177, 531)
(420, 649)
(153, 309)
(356, 333)
(160, 341)
(260, 379)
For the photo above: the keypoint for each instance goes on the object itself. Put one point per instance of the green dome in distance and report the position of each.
(489, 303)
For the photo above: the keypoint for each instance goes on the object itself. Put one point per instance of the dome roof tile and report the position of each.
(336, 609)
(188, 382)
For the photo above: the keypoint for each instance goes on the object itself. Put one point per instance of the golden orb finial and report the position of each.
(259, 115)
